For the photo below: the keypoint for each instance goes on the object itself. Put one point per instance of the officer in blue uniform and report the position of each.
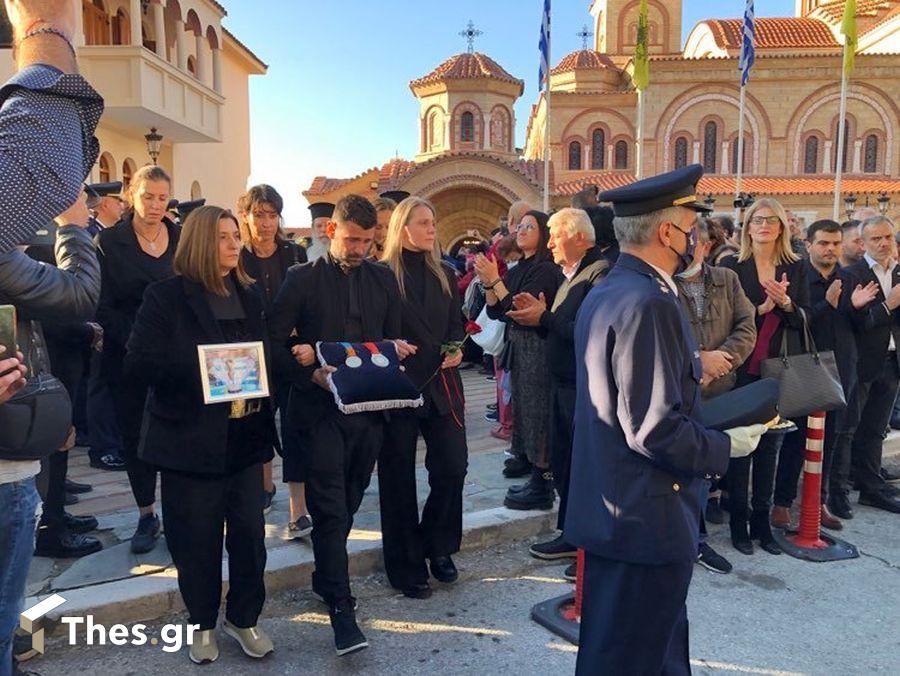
(640, 454)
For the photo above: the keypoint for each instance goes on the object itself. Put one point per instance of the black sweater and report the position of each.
(529, 276)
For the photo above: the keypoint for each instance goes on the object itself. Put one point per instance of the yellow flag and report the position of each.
(641, 76)
(848, 30)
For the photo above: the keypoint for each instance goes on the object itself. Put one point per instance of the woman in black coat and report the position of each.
(432, 318)
(210, 455)
(133, 254)
(525, 355)
(266, 256)
(774, 279)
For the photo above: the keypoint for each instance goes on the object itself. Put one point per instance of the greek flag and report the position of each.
(747, 52)
(544, 72)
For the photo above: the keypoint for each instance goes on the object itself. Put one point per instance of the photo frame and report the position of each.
(233, 372)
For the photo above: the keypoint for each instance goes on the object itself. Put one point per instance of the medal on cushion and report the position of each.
(377, 358)
(352, 360)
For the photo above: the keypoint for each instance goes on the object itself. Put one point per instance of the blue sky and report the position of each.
(336, 99)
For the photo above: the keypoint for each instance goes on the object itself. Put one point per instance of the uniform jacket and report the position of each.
(874, 324)
(640, 455)
(728, 322)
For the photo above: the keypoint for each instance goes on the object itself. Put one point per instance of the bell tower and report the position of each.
(615, 26)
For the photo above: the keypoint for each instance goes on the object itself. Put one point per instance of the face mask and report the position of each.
(686, 259)
(691, 271)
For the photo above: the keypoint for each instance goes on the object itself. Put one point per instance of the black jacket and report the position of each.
(874, 325)
(288, 254)
(428, 323)
(42, 292)
(790, 321)
(559, 318)
(306, 304)
(530, 275)
(182, 433)
(125, 277)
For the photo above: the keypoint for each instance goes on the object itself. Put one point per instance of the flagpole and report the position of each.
(639, 151)
(839, 156)
(546, 208)
(738, 183)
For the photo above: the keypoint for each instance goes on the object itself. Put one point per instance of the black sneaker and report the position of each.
(712, 560)
(75, 487)
(492, 416)
(71, 499)
(79, 524)
(109, 462)
(571, 572)
(347, 636)
(300, 528)
(714, 512)
(491, 407)
(144, 538)
(839, 504)
(889, 476)
(22, 649)
(66, 545)
(267, 505)
(516, 467)
(557, 548)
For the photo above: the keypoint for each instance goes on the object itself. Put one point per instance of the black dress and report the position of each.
(431, 318)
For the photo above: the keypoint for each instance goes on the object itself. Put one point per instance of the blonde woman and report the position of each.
(432, 318)
(774, 279)
(134, 253)
(210, 455)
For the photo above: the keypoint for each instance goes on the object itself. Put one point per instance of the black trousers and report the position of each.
(343, 450)
(791, 459)
(763, 461)
(634, 618)
(196, 511)
(294, 455)
(407, 540)
(103, 422)
(130, 399)
(51, 485)
(562, 429)
(876, 403)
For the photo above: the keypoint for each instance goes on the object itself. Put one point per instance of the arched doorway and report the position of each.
(463, 210)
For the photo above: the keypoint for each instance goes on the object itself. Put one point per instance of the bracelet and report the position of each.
(49, 30)
(488, 288)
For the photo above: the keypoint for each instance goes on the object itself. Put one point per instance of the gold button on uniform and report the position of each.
(676, 487)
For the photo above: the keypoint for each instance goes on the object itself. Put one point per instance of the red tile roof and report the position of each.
(585, 59)
(834, 11)
(774, 33)
(467, 66)
(756, 185)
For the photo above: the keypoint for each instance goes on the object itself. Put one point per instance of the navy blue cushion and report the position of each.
(367, 382)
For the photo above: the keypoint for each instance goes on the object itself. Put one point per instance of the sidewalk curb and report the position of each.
(150, 597)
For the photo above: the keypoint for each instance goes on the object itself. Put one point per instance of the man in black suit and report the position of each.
(878, 337)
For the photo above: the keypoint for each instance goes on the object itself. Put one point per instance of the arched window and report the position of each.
(811, 156)
(196, 191)
(870, 164)
(710, 143)
(575, 155)
(681, 152)
(192, 65)
(467, 127)
(105, 169)
(96, 23)
(846, 144)
(128, 169)
(598, 149)
(621, 154)
(745, 168)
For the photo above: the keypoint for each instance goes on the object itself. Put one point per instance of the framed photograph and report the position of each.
(233, 372)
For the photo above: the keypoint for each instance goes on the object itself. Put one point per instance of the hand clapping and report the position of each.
(486, 269)
(777, 291)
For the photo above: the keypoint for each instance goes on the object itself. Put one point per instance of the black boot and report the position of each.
(740, 538)
(516, 467)
(762, 531)
(537, 493)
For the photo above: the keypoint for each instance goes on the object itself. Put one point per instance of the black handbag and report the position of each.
(36, 420)
(809, 381)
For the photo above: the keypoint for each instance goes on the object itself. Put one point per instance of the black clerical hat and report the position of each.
(673, 189)
(396, 195)
(184, 208)
(756, 403)
(321, 210)
(103, 189)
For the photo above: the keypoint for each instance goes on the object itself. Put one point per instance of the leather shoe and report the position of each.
(417, 591)
(770, 546)
(829, 520)
(780, 518)
(889, 476)
(79, 524)
(75, 487)
(880, 501)
(743, 546)
(66, 546)
(839, 505)
(71, 499)
(443, 569)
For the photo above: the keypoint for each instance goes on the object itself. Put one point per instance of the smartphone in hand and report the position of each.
(8, 332)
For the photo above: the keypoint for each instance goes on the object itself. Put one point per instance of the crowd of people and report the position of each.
(114, 309)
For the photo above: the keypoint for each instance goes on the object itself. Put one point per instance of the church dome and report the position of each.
(586, 71)
(584, 59)
(467, 66)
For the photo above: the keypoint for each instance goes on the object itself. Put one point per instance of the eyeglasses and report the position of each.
(527, 227)
(771, 220)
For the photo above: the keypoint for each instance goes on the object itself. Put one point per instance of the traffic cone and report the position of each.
(562, 614)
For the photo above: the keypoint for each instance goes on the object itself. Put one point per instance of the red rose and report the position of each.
(472, 328)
